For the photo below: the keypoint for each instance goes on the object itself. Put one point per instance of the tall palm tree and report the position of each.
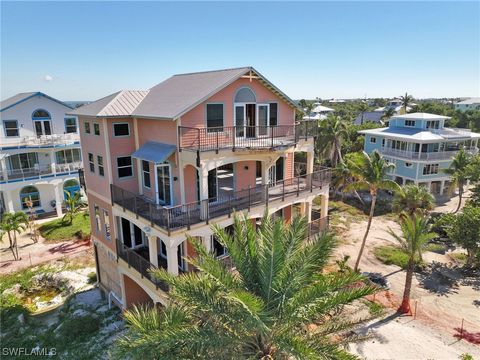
(13, 223)
(363, 107)
(342, 177)
(388, 114)
(73, 204)
(412, 199)
(332, 131)
(415, 235)
(370, 172)
(459, 171)
(261, 310)
(406, 100)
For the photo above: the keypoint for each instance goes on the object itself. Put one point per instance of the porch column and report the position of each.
(58, 200)
(3, 168)
(153, 250)
(203, 184)
(265, 172)
(53, 162)
(324, 205)
(207, 243)
(442, 186)
(308, 211)
(172, 260)
(7, 196)
(429, 186)
(310, 162)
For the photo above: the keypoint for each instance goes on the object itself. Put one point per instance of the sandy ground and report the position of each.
(440, 309)
(36, 253)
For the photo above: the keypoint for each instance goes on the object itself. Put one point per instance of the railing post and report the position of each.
(123, 199)
(266, 196)
(233, 137)
(128, 258)
(150, 214)
(311, 182)
(298, 185)
(230, 206)
(271, 131)
(207, 210)
(111, 193)
(249, 198)
(216, 150)
(188, 218)
(168, 221)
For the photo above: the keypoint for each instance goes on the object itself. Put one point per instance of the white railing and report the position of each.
(414, 155)
(44, 140)
(38, 171)
(452, 132)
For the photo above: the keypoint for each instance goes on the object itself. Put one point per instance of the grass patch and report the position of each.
(391, 255)
(461, 258)
(436, 248)
(57, 230)
(374, 309)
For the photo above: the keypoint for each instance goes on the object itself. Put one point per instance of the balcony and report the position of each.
(55, 140)
(39, 172)
(414, 155)
(244, 137)
(185, 215)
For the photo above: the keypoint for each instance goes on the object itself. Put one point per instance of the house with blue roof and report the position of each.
(421, 147)
(40, 153)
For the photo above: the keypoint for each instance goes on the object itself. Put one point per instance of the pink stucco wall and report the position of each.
(244, 177)
(190, 181)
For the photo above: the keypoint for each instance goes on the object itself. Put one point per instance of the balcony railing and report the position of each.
(185, 215)
(140, 264)
(244, 137)
(39, 171)
(415, 155)
(43, 141)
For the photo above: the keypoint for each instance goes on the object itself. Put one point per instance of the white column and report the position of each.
(172, 260)
(404, 181)
(58, 200)
(309, 162)
(308, 211)
(7, 196)
(3, 168)
(53, 162)
(442, 186)
(207, 243)
(153, 250)
(429, 186)
(324, 205)
(203, 184)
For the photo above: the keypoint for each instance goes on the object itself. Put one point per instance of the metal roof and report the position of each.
(21, 97)
(420, 116)
(415, 134)
(469, 101)
(121, 103)
(155, 152)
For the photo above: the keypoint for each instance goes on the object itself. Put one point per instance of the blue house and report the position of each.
(420, 147)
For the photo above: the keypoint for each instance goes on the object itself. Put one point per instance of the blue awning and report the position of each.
(155, 152)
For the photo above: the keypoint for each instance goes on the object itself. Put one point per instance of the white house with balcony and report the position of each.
(421, 147)
(468, 104)
(39, 153)
(319, 112)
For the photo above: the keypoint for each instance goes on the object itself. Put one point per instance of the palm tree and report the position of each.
(363, 107)
(412, 199)
(73, 204)
(370, 173)
(342, 177)
(406, 100)
(459, 173)
(13, 223)
(415, 235)
(261, 310)
(332, 131)
(388, 114)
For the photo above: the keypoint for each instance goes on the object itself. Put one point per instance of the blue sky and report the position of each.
(86, 50)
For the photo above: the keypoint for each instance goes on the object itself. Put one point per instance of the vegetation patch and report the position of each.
(458, 257)
(374, 308)
(392, 255)
(59, 230)
(436, 248)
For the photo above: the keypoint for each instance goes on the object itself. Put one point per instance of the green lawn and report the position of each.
(391, 255)
(57, 230)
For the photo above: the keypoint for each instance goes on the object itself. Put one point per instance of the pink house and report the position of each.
(168, 162)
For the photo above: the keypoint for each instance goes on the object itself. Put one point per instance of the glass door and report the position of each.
(43, 127)
(263, 122)
(164, 195)
(240, 120)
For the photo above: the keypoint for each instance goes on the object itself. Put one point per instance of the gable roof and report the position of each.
(173, 97)
(121, 103)
(21, 97)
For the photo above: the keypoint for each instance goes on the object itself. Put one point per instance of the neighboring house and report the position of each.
(319, 112)
(40, 153)
(421, 148)
(372, 116)
(468, 104)
(169, 162)
(395, 104)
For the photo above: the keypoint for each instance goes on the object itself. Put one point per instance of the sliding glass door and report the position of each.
(43, 127)
(262, 116)
(164, 188)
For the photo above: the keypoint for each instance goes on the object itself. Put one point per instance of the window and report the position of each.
(164, 184)
(23, 161)
(121, 129)
(373, 140)
(106, 224)
(273, 114)
(96, 129)
(433, 124)
(146, 173)
(245, 95)
(11, 128)
(124, 166)
(101, 170)
(91, 162)
(87, 127)
(409, 122)
(29, 195)
(70, 125)
(214, 117)
(408, 164)
(40, 114)
(430, 169)
(68, 156)
(97, 217)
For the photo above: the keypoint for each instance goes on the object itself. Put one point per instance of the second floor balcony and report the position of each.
(54, 140)
(415, 155)
(184, 215)
(244, 137)
(37, 172)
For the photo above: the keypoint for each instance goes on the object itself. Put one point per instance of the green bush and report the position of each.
(391, 256)
(92, 277)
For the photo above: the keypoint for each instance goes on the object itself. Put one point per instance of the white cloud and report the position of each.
(48, 78)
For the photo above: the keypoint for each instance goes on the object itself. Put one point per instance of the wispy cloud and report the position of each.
(48, 78)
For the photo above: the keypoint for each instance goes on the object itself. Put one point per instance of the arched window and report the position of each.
(41, 114)
(245, 95)
(29, 197)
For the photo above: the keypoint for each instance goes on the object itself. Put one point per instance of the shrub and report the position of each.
(391, 255)
(92, 277)
(78, 328)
